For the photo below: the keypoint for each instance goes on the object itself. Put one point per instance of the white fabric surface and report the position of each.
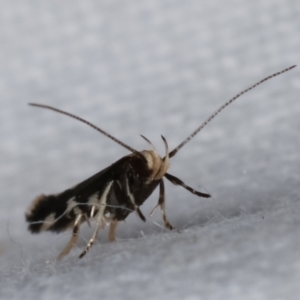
(154, 67)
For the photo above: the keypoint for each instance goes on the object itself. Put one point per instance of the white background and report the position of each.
(154, 67)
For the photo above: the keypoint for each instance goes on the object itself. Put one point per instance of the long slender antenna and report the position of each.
(90, 124)
(174, 151)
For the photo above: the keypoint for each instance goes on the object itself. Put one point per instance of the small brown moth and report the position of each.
(112, 194)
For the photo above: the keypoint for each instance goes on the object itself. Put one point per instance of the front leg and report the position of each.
(162, 204)
(131, 198)
(177, 181)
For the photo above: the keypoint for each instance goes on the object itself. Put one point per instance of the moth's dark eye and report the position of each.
(140, 167)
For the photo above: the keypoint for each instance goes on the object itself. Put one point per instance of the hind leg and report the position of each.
(74, 238)
(112, 230)
(99, 219)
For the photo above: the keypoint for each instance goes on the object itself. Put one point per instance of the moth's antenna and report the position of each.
(174, 151)
(90, 124)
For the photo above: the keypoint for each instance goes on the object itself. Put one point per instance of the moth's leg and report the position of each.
(99, 219)
(74, 238)
(112, 230)
(93, 238)
(177, 181)
(162, 204)
(93, 211)
(131, 197)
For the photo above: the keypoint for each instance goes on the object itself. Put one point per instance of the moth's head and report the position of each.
(157, 165)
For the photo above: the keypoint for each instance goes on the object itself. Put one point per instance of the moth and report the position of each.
(113, 193)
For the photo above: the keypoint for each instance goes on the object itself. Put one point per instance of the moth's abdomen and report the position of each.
(50, 213)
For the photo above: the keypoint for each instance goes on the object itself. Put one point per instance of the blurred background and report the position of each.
(148, 67)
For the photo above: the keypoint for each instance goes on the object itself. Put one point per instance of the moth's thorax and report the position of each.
(157, 165)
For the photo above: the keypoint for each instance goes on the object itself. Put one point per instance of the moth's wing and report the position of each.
(57, 212)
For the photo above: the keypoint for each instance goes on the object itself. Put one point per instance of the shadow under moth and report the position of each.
(113, 193)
